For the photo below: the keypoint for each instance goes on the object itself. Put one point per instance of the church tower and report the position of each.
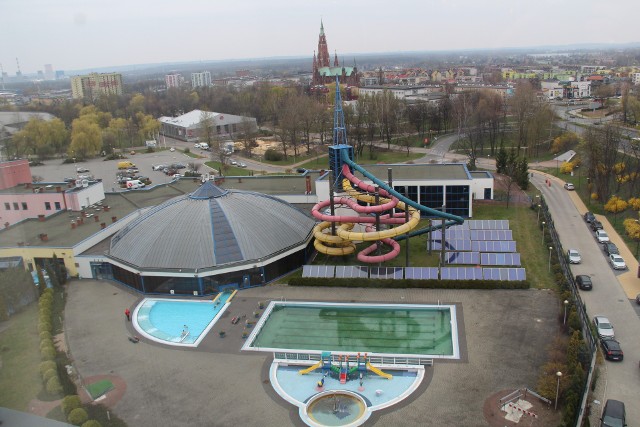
(323, 51)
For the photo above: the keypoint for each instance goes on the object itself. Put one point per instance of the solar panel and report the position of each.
(505, 274)
(451, 234)
(499, 258)
(452, 245)
(493, 246)
(421, 273)
(491, 235)
(348, 271)
(318, 271)
(385, 272)
(462, 257)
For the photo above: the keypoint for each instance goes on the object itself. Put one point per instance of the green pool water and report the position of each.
(397, 329)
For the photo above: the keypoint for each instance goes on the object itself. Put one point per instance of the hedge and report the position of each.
(71, 402)
(92, 423)
(53, 386)
(49, 374)
(48, 353)
(44, 326)
(407, 283)
(46, 365)
(45, 335)
(78, 417)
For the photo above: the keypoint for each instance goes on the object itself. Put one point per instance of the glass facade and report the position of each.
(458, 200)
(431, 196)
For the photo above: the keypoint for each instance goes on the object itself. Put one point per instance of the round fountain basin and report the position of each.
(335, 408)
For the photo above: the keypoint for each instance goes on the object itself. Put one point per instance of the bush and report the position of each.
(407, 283)
(44, 327)
(186, 151)
(48, 353)
(49, 374)
(53, 386)
(46, 343)
(71, 402)
(92, 423)
(45, 335)
(78, 416)
(46, 365)
(273, 155)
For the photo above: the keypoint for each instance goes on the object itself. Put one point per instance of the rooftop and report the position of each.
(418, 171)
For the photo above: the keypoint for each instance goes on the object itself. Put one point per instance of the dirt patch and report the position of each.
(517, 195)
(545, 415)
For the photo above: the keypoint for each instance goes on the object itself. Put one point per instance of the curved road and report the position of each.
(607, 297)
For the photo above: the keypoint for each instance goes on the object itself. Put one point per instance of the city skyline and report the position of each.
(77, 35)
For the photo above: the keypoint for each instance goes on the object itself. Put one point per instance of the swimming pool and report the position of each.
(384, 329)
(178, 322)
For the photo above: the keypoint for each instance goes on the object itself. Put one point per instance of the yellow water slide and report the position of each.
(378, 371)
(310, 368)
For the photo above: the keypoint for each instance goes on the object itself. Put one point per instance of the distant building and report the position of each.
(93, 85)
(187, 126)
(201, 79)
(635, 78)
(48, 72)
(324, 73)
(174, 80)
(59, 74)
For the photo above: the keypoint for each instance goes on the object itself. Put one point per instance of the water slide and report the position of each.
(310, 368)
(343, 377)
(378, 371)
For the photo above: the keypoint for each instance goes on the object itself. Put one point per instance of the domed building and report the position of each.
(209, 240)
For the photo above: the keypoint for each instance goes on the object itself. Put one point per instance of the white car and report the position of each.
(196, 145)
(234, 163)
(242, 165)
(604, 327)
(172, 149)
(617, 262)
(574, 256)
(82, 169)
(602, 236)
(158, 167)
(569, 186)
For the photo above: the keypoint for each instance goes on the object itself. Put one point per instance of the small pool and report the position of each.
(178, 322)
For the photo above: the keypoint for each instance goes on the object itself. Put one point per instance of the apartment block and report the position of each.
(93, 85)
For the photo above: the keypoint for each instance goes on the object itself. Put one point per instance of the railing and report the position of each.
(378, 360)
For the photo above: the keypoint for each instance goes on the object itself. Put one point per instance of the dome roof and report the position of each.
(211, 227)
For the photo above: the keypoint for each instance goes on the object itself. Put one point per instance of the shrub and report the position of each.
(71, 402)
(273, 155)
(49, 374)
(48, 353)
(92, 423)
(46, 343)
(78, 416)
(45, 335)
(46, 365)
(44, 326)
(186, 151)
(53, 386)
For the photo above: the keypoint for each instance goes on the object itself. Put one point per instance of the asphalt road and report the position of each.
(607, 297)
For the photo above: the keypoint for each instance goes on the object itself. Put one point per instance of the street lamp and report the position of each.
(559, 375)
(543, 223)
(539, 208)
(566, 303)
(550, 249)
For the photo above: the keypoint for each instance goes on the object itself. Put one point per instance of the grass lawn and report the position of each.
(291, 159)
(229, 170)
(19, 343)
(387, 157)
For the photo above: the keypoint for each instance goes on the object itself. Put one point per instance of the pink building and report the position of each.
(14, 172)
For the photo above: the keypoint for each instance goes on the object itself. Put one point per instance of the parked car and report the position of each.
(602, 236)
(614, 414)
(584, 282)
(172, 149)
(234, 162)
(301, 170)
(588, 217)
(569, 186)
(82, 169)
(596, 225)
(170, 171)
(604, 327)
(611, 349)
(574, 256)
(177, 166)
(158, 167)
(617, 262)
(242, 165)
(610, 248)
(133, 170)
(196, 145)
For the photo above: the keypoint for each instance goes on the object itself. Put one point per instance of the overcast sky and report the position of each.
(81, 34)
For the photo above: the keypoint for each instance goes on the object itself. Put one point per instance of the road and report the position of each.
(607, 297)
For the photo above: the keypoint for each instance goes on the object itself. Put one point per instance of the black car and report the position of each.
(611, 349)
(596, 225)
(588, 217)
(584, 282)
(177, 166)
(614, 414)
(610, 248)
(301, 170)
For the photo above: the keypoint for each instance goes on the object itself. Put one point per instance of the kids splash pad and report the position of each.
(335, 408)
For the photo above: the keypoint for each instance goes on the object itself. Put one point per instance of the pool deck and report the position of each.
(504, 337)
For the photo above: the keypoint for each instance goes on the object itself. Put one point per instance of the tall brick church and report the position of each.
(324, 73)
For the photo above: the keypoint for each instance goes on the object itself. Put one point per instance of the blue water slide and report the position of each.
(452, 219)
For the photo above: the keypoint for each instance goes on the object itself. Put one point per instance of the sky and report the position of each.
(82, 34)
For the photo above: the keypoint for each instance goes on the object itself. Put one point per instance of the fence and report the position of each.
(378, 360)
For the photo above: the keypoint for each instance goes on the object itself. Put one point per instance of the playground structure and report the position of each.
(343, 371)
(334, 235)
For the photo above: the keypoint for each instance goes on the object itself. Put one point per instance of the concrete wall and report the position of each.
(81, 197)
(35, 202)
(14, 172)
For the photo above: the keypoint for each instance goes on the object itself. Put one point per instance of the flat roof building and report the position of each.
(91, 86)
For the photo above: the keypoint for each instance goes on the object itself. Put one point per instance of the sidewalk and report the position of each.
(629, 280)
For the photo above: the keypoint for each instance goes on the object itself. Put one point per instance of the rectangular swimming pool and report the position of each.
(386, 329)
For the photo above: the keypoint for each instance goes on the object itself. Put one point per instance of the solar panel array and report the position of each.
(417, 273)
(491, 235)
(499, 259)
(487, 224)
(452, 245)
(493, 246)
(462, 258)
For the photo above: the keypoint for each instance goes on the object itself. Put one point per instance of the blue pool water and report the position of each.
(166, 319)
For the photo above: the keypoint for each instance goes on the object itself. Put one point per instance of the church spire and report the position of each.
(321, 27)
(324, 60)
(335, 59)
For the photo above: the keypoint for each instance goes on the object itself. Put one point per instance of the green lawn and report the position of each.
(387, 157)
(19, 345)
(229, 170)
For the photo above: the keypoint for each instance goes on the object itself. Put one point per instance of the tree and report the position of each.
(522, 105)
(118, 128)
(632, 228)
(615, 205)
(501, 160)
(601, 154)
(206, 128)
(86, 138)
(564, 142)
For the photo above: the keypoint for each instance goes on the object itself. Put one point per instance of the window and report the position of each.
(458, 200)
(15, 206)
(431, 196)
(57, 204)
(233, 126)
(7, 206)
(218, 129)
(226, 128)
(24, 206)
(47, 205)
